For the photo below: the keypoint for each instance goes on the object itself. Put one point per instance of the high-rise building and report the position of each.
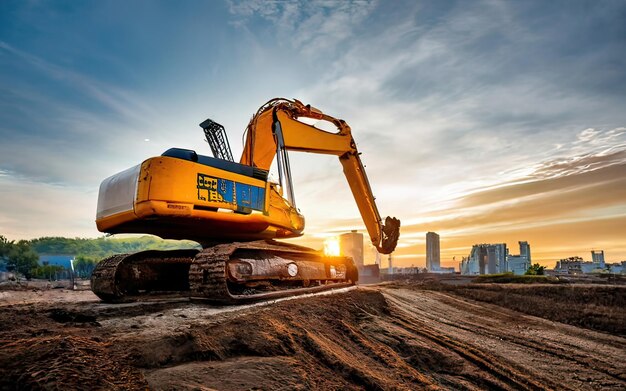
(485, 259)
(495, 258)
(597, 257)
(519, 264)
(432, 252)
(469, 265)
(524, 250)
(351, 245)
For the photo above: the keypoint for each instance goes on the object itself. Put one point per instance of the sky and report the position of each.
(484, 121)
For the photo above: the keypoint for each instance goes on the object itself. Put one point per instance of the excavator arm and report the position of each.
(276, 128)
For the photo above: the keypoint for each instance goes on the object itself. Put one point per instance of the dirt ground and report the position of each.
(382, 337)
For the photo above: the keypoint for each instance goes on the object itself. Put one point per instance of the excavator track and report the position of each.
(103, 278)
(128, 277)
(209, 280)
(211, 274)
(207, 277)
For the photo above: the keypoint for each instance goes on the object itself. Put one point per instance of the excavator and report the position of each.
(235, 211)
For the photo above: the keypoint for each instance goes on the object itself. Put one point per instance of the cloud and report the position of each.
(476, 118)
(557, 207)
(57, 140)
(311, 27)
(117, 100)
(581, 208)
(483, 121)
(579, 164)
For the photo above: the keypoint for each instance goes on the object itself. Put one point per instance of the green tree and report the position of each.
(103, 247)
(84, 265)
(46, 271)
(535, 270)
(22, 258)
(5, 248)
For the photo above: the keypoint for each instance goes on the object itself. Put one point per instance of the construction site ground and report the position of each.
(403, 335)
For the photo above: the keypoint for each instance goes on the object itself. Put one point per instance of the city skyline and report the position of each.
(486, 122)
(333, 247)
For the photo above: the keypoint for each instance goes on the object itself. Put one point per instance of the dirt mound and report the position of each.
(368, 338)
(64, 361)
(596, 307)
(321, 343)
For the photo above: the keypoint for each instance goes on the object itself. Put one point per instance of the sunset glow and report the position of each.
(486, 122)
(331, 247)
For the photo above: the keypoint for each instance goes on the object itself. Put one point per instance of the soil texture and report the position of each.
(379, 337)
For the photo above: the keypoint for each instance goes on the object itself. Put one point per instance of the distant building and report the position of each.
(469, 266)
(485, 259)
(433, 259)
(597, 258)
(402, 271)
(574, 265)
(351, 245)
(524, 250)
(445, 270)
(519, 264)
(617, 267)
(65, 261)
(495, 258)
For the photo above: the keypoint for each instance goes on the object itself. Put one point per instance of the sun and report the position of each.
(331, 247)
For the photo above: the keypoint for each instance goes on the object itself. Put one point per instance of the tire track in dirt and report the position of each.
(487, 333)
(560, 348)
(490, 363)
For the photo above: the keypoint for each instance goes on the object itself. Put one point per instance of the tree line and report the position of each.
(18, 257)
(22, 256)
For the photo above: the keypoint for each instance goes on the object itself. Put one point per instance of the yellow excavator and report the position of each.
(234, 212)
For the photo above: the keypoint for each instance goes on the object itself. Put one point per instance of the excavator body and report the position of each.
(183, 195)
(234, 212)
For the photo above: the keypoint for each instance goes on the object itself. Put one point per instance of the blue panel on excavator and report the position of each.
(250, 196)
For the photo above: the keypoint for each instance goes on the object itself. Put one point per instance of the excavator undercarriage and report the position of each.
(222, 274)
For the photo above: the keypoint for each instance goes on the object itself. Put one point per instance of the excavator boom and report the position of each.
(277, 126)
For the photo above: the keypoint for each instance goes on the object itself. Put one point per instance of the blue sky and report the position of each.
(481, 120)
